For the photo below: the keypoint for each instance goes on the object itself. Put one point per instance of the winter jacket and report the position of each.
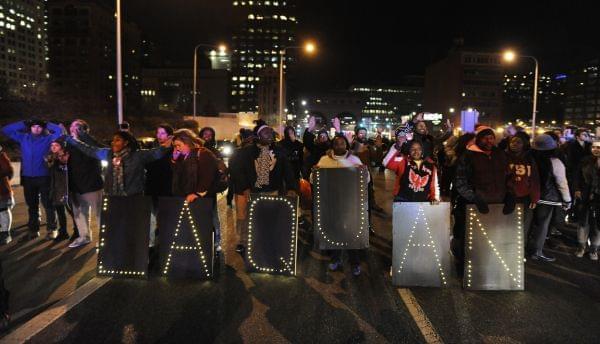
(85, 173)
(525, 178)
(574, 152)
(194, 173)
(587, 180)
(315, 151)
(133, 165)
(482, 176)
(59, 181)
(6, 174)
(294, 150)
(413, 183)
(33, 147)
(554, 188)
(281, 177)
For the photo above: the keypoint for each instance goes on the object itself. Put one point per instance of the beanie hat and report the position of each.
(36, 121)
(544, 142)
(403, 130)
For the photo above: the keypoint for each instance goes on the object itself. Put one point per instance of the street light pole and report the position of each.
(281, 58)
(535, 94)
(119, 66)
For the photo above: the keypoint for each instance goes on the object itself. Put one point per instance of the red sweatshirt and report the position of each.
(425, 173)
(524, 176)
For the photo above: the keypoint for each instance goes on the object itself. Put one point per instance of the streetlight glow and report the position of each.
(222, 48)
(310, 47)
(509, 56)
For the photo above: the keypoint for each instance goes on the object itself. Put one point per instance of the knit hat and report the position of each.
(403, 130)
(544, 142)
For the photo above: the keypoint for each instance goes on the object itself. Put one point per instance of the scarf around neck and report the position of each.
(264, 164)
(118, 184)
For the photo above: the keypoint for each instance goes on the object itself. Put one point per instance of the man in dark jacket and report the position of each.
(34, 139)
(428, 141)
(263, 168)
(482, 177)
(85, 180)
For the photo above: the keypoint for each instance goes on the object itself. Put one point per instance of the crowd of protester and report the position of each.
(552, 176)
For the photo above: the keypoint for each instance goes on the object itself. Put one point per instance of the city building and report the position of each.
(583, 94)
(81, 36)
(170, 89)
(518, 97)
(268, 27)
(23, 49)
(465, 78)
(390, 103)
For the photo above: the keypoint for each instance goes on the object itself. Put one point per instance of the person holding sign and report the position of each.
(339, 156)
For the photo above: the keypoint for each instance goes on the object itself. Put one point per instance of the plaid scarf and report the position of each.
(118, 180)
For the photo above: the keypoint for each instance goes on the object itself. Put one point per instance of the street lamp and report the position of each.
(510, 56)
(309, 48)
(222, 48)
(119, 65)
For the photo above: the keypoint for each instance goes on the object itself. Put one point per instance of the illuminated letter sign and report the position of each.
(421, 250)
(272, 234)
(186, 237)
(340, 208)
(124, 236)
(494, 249)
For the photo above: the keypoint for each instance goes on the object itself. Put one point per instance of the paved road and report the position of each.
(561, 303)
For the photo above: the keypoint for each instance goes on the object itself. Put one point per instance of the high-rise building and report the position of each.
(268, 27)
(388, 103)
(518, 97)
(82, 57)
(23, 49)
(583, 94)
(465, 78)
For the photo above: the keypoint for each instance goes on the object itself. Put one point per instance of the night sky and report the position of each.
(378, 42)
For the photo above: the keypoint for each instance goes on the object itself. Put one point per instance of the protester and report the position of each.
(587, 192)
(85, 181)
(340, 156)
(263, 168)
(509, 132)
(361, 148)
(482, 177)
(35, 137)
(525, 178)
(553, 195)
(246, 137)
(429, 142)
(7, 200)
(124, 174)
(316, 145)
(159, 179)
(416, 177)
(575, 151)
(294, 150)
(447, 159)
(59, 185)
(208, 135)
(193, 166)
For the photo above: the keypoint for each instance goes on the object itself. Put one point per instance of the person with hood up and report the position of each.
(34, 138)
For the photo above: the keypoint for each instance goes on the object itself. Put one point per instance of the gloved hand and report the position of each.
(482, 206)
(509, 204)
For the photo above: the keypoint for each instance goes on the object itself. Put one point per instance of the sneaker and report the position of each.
(5, 238)
(593, 255)
(580, 252)
(52, 235)
(61, 236)
(218, 248)
(356, 270)
(79, 242)
(74, 236)
(335, 265)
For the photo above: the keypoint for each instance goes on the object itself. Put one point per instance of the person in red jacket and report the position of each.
(524, 175)
(416, 177)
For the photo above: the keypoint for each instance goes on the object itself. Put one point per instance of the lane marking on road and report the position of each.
(34, 326)
(427, 330)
